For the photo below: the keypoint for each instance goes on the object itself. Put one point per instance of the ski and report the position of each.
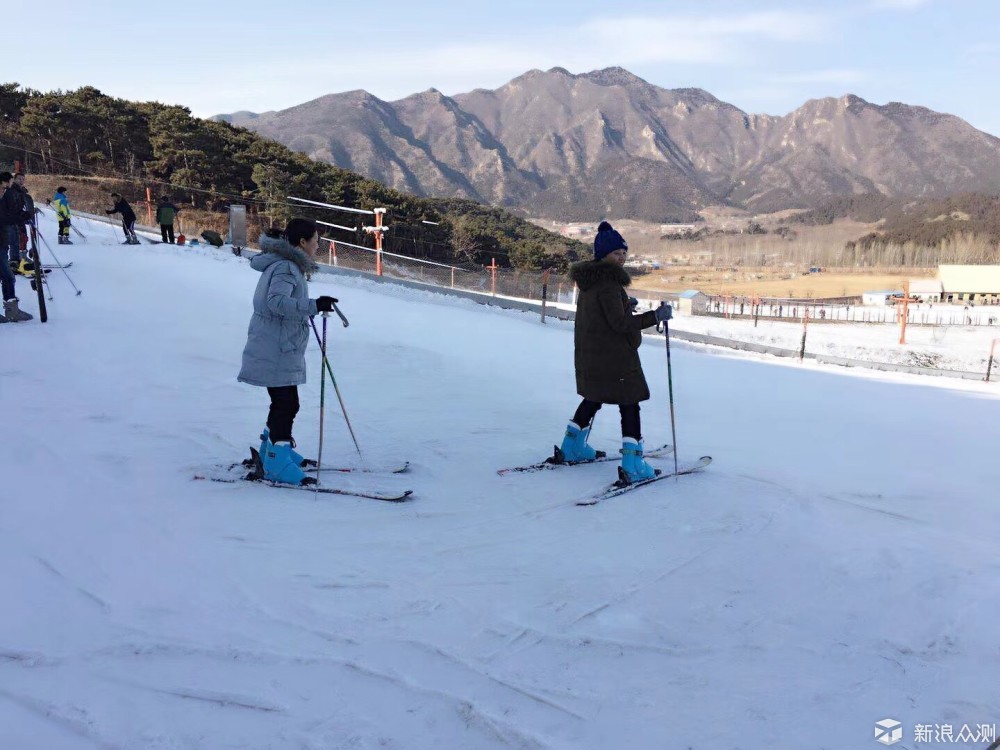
(251, 470)
(391, 497)
(49, 266)
(618, 488)
(553, 462)
(309, 466)
(401, 469)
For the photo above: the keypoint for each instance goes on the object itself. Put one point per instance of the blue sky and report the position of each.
(763, 57)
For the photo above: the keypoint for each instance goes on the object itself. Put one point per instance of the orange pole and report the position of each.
(493, 269)
(149, 205)
(906, 312)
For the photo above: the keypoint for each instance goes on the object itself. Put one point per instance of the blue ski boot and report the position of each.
(280, 464)
(574, 446)
(634, 468)
(265, 438)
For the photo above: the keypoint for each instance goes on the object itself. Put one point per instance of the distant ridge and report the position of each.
(608, 143)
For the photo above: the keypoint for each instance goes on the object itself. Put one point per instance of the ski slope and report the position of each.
(836, 565)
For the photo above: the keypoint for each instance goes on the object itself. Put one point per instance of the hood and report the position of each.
(590, 273)
(273, 249)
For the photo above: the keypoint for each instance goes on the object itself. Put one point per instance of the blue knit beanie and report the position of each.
(607, 241)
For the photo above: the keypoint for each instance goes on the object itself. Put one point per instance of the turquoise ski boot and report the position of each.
(574, 446)
(265, 438)
(634, 468)
(280, 464)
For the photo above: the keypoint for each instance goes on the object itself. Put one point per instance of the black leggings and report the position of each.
(630, 417)
(284, 407)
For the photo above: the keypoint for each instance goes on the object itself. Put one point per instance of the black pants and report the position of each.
(167, 233)
(129, 228)
(630, 417)
(284, 407)
(64, 227)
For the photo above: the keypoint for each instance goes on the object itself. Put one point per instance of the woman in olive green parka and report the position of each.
(607, 338)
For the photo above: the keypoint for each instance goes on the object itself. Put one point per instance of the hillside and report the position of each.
(609, 144)
(206, 165)
(962, 228)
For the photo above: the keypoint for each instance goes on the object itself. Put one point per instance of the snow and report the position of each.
(948, 347)
(835, 566)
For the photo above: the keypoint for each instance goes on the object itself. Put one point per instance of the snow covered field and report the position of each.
(944, 347)
(836, 566)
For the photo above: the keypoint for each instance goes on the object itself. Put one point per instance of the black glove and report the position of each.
(664, 312)
(325, 304)
(632, 303)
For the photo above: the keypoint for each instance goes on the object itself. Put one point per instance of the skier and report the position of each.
(128, 218)
(28, 214)
(607, 338)
(274, 356)
(61, 203)
(166, 212)
(11, 213)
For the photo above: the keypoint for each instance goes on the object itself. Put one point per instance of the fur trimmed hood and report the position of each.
(590, 273)
(273, 249)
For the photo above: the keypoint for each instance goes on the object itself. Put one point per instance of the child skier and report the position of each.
(274, 356)
(607, 337)
(61, 202)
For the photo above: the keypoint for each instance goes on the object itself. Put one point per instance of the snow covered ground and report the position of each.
(836, 566)
(944, 347)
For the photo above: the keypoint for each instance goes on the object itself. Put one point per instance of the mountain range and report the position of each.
(608, 144)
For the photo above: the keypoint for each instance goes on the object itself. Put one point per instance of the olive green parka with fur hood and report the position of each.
(608, 335)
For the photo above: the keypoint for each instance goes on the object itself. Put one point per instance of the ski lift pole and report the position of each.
(336, 388)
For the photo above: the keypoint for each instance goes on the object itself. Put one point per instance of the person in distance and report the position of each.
(61, 202)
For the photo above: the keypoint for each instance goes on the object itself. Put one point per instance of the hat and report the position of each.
(60, 190)
(607, 241)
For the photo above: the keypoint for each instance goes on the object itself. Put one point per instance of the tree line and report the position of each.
(963, 228)
(208, 164)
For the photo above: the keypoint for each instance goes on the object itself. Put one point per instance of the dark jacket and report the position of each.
(122, 207)
(27, 204)
(11, 208)
(608, 335)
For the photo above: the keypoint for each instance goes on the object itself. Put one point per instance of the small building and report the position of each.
(676, 228)
(965, 284)
(690, 302)
(882, 297)
(926, 290)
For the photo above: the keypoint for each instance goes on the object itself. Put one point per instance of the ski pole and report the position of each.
(336, 388)
(58, 263)
(322, 404)
(79, 233)
(337, 310)
(670, 386)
